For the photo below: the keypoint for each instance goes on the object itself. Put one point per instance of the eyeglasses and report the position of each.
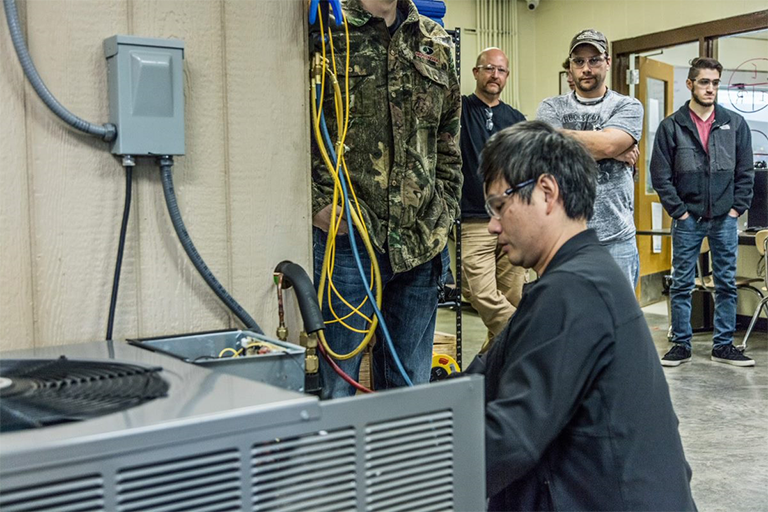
(593, 62)
(494, 203)
(488, 119)
(706, 82)
(491, 69)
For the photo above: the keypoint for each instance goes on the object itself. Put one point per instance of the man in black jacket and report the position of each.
(578, 414)
(702, 169)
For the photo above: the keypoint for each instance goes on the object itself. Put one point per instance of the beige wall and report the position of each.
(243, 186)
(463, 14)
(544, 34)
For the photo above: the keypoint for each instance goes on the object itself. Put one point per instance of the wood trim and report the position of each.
(699, 32)
(650, 262)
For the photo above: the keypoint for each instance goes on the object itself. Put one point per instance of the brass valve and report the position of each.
(311, 361)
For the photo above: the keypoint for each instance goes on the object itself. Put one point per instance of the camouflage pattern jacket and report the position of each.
(403, 139)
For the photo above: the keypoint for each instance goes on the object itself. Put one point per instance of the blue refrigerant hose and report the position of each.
(361, 270)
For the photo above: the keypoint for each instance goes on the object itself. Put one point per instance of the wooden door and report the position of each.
(655, 93)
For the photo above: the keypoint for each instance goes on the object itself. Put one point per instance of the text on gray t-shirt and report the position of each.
(613, 219)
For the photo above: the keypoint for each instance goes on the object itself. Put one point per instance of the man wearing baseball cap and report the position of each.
(609, 124)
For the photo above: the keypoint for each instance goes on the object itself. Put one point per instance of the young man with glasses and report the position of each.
(578, 414)
(491, 284)
(702, 169)
(609, 124)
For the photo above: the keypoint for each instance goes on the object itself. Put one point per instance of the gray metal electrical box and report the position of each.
(146, 94)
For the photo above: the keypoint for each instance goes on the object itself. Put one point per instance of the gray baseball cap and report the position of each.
(590, 36)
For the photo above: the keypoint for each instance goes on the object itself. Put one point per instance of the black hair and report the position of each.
(700, 63)
(529, 149)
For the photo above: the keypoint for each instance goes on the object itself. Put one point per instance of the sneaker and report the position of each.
(676, 356)
(729, 354)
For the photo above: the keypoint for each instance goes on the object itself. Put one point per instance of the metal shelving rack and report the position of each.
(450, 297)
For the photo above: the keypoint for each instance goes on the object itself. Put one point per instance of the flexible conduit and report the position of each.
(107, 132)
(166, 166)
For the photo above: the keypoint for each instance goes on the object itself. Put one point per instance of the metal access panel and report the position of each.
(146, 94)
(283, 369)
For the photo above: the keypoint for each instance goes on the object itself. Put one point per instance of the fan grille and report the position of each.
(51, 391)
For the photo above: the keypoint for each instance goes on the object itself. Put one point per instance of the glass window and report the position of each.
(744, 86)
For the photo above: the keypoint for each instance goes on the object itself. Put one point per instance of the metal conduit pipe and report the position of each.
(107, 132)
(166, 166)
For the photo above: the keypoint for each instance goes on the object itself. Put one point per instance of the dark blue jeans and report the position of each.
(687, 236)
(409, 306)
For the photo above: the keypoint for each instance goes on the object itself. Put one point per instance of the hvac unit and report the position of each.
(134, 430)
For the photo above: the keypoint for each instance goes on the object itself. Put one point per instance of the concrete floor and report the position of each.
(723, 412)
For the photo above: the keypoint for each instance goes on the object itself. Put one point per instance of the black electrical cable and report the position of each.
(166, 165)
(107, 132)
(120, 250)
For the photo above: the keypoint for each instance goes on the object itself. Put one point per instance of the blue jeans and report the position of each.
(687, 236)
(409, 306)
(627, 258)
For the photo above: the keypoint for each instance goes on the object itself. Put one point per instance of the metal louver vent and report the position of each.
(205, 483)
(409, 463)
(313, 472)
(76, 495)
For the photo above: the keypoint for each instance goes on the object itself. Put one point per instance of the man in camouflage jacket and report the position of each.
(405, 164)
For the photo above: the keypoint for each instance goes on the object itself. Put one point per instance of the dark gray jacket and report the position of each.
(578, 413)
(688, 179)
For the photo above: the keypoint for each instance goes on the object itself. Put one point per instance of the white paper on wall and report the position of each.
(656, 224)
(653, 114)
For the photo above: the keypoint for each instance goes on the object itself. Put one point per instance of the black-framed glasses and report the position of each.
(592, 62)
(494, 203)
(488, 119)
(491, 69)
(706, 82)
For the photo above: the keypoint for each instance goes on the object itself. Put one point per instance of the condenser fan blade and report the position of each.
(37, 393)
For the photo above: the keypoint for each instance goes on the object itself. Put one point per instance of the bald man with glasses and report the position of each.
(609, 124)
(491, 284)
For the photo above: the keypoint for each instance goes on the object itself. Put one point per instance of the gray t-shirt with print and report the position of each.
(613, 219)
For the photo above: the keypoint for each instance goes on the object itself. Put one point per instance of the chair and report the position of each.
(761, 242)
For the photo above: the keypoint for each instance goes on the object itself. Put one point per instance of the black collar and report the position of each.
(568, 249)
(480, 103)
(590, 103)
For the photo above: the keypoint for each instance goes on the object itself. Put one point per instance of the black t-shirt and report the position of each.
(399, 19)
(474, 135)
